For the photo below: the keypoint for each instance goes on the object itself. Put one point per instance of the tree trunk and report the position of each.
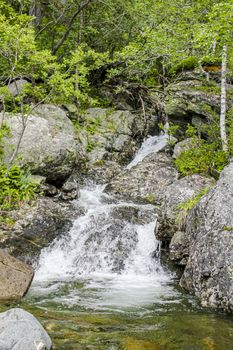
(223, 100)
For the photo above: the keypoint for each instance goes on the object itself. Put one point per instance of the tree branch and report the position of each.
(70, 24)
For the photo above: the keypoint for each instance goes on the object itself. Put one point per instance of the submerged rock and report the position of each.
(146, 181)
(19, 330)
(48, 144)
(209, 272)
(15, 277)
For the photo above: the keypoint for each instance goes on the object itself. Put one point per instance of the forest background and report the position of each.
(71, 52)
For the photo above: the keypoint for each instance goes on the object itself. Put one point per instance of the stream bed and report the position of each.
(102, 285)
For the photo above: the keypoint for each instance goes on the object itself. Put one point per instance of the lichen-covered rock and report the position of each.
(15, 277)
(209, 272)
(48, 144)
(70, 190)
(145, 182)
(103, 171)
(191, 98)
(113, 135)
(179, 248)
(36, 226)
(19, 330)
(182, 146)
(176, 193)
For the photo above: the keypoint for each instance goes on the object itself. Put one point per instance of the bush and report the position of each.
(188, 63)
(203, 158)
(16, 187)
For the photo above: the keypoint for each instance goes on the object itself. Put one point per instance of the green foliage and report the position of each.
(4, 131)
(16, 187)
(188, 63)
(202, 158)
(171, 130)
(227, 228)
(185, 207)
(210, 60)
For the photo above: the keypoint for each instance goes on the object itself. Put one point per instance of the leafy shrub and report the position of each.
(202, 158)
(210, 61)
(16, 187)
(188, 63)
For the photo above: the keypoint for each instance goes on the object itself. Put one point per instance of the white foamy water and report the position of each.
(152, 144)
(107, 260)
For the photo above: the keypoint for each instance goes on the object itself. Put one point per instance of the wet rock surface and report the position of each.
(146, 181)
(15, 277)
(19, 330)
(209, 269)
(36, 227)
(113, 135)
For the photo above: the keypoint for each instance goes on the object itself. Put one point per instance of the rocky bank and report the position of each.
(65, 156)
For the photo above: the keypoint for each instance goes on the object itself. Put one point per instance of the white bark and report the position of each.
(223, 100)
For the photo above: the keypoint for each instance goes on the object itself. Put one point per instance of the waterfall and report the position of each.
(111, 249)
(152, 144)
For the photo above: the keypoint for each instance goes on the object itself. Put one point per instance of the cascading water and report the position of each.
(152, 144)
(111, 250)
(101, 285)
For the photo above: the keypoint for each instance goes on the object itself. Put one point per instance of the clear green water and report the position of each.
(175, 323)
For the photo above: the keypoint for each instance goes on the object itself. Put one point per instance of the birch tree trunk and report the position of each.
(223, 100)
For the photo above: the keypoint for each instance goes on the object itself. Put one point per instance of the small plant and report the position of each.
(170, 129)
(227, 228)
(185, 207)
(150, 198)
(202, 158)
(16, 187)
(89, 147)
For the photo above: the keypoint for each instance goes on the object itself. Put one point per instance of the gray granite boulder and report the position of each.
(146, 181)
(182, 146)
(36, 225)
(19, 330)
(209, 271)
(175, 194)
(48, 144)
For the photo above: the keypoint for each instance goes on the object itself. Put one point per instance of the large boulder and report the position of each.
(36, 226)
(19, 330)
(209, 272)
(15, 277)
(191, 98)
(192, 102)
(113, 135)
(146, 181)
(48, 144)
(177, 193)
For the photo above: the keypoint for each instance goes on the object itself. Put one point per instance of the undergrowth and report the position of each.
(16, 187)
